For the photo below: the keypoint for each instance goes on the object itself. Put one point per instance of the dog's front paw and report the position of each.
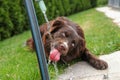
(99, 64)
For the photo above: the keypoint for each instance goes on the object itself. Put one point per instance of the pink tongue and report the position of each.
(54, 55)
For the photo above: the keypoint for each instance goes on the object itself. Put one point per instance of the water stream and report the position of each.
(49, 61)
(46, 19)
(55, 67)
(43, 8)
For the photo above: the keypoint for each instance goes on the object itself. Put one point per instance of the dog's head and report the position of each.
(65, 39)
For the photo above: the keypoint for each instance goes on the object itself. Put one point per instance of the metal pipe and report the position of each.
(37, 39)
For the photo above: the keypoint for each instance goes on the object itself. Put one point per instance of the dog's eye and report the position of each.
(63, 34)
(73, 44)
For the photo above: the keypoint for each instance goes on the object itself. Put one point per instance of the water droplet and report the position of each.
(48, 24)
(49, 61)
(56, 69)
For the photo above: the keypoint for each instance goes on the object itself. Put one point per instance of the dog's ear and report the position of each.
(56, 25)
(43, 29)
(81, 44)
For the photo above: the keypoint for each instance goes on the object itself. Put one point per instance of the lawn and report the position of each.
(18, 63)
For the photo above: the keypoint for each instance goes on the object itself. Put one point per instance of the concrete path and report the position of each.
(83, 71)
(111, 13)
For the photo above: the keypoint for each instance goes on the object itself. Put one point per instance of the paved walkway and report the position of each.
(83, 71)
(111, 13)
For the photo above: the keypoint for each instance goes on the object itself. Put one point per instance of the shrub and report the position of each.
(102, 2)
(6, 25)
(95, 3)
(66, 7)
(14, 20)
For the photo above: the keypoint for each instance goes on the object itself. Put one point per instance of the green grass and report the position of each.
(102, 35)
(18, 63)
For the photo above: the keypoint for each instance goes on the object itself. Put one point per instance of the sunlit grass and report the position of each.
(102, 35)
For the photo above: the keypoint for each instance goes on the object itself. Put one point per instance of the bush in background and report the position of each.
(95, 3)
(13, 17)
(101, 2)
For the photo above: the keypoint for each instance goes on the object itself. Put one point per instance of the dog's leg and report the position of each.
(94, 61)
(30, 43)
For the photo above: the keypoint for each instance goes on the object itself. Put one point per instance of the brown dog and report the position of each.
(68, 43)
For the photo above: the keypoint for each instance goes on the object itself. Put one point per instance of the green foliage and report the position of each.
(6, 24)
(66, 7)
(101, 2)
(95, 3)
(14, 20)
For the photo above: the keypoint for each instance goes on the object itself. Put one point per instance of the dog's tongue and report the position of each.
(54, 55)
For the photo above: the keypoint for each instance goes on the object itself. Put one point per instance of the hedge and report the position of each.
(101, 2)
(14, 20)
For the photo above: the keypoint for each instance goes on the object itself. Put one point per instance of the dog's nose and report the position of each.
(62, 47)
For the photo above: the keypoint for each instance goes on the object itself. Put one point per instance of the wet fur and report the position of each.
(80, 51)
